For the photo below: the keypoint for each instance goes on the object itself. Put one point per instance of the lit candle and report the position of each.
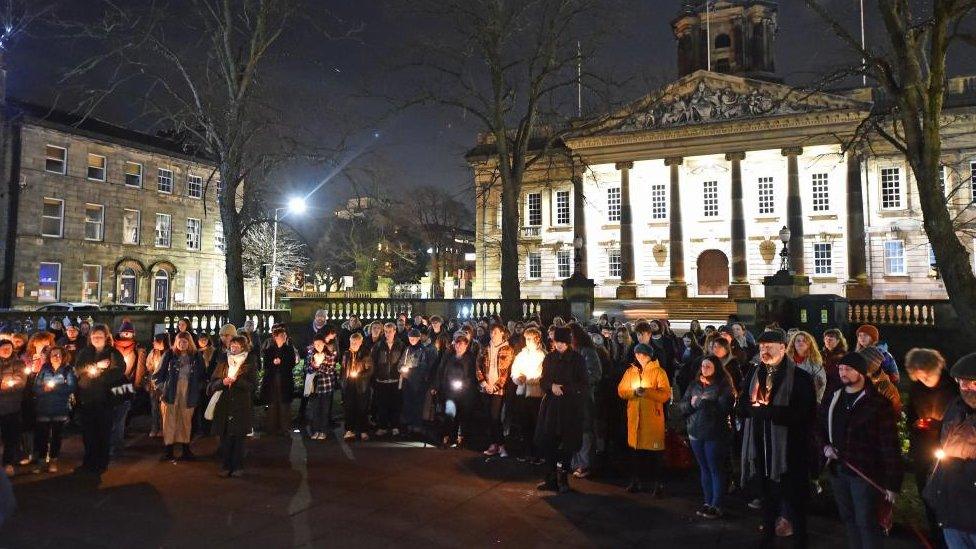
(11, 382)
(456, 384)
(27, 370)
(51, 383)
(940, 454)
(404, 370)
(354, 374)
(92, 370)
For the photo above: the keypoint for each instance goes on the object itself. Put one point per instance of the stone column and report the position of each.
(579, 222)
(677, 288)
(794, 210)
(858, 286)
(739, 288)
(627, 289)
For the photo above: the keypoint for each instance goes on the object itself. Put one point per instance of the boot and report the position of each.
(562, 481)
(187, 455)
(548, 485)
(168, 454)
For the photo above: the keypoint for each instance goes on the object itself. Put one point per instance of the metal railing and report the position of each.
(387, 309)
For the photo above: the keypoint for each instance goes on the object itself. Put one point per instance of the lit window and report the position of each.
(133, 174)
(96, 167)
(767, 199)
(164, 180)
(823, 263)
(52, 218)
(130, 226)
(894, 257)
(562, 207)
(56, 159)
(613, 204)
(193, 230)
(710, 197)
(534, 265)
(219, 236)
(91, 283)
(564, 259)
(534, 209)
(163, 230)
(890, 188)
(613, 263)
(821, 189)
(94, 221)
(659, 202)
(49, 282)
(194, 186)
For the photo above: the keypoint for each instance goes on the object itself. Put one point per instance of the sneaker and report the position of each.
(755, 504)
(381, 432)
(491, 451)
(396, 432)
(323, 436)
(9, 469)
(581, 473)
(349, 436)
(703, 510)
(26, 461)
(784, 528)
(502, 452)
(52, 467)
(364, 437)
(712, 513)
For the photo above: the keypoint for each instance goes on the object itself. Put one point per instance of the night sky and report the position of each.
(425, 145)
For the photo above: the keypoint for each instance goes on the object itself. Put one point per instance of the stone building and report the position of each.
(684, 192)
(98, 213)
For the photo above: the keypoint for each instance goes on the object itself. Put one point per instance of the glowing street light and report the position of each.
(297, 206)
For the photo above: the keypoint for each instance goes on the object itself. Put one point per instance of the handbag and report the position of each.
(208, 414)
(309, 384)
(677, 452)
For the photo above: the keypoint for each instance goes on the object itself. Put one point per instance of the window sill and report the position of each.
(55, 173)
(900, 212)
(51, 236)
(826, 279)
(897, 277)
(711, 220)
(766, 218)
(97, 180)
(560, 228)
(610, 226)
(822, 217)
(659, 223)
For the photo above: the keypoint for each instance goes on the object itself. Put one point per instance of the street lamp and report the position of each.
(784, 237)
(297, 206)
(577, 257)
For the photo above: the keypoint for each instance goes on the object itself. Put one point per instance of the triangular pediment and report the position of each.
(706, 97)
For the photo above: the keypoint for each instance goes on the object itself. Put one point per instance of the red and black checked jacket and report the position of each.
(872, 437)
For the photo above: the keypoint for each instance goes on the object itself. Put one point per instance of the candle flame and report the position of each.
(940, 454)
(456, 384)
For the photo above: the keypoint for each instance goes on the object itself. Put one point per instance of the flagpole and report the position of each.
(708, 32)
(864, 61)
(579, 79)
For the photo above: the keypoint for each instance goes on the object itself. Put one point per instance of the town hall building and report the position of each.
(684, 193)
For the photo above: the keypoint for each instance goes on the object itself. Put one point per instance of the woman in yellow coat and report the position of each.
(646, 389)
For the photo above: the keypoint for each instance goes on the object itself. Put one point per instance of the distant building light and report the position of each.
(471, 256)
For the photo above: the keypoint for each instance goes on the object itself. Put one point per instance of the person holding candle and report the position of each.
(357, 367)
(101, 385)
(72, 342)
(494, 366)
(416, 367)
(929, 396)
(278, 385)
(144, 380)
(645, 388)
(179, 379)
(233, 410)
(34, 357)
(52, 389)
(456, 390)
(386, 379)
(559, 430)
(321, 362)
(526, 374)
(133, 359)
(13, 379)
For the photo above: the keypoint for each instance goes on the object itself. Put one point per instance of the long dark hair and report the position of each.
(581, 339)
(696, 348)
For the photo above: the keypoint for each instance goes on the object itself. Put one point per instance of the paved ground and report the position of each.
(378, 494)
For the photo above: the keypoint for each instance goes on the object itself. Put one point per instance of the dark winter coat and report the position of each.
(72, 346)
(359, 363)
(278, 384)
(871, 441)
(386, 359)
(234, 413)
(418, 363)
(167, 378)
(951, 490)
(560, 421)
(708, 418)
(456, 378)
(923, 415)
(95, 384)
(13, 379)
(53, 403)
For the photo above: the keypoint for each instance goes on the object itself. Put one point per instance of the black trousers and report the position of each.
(355, 407)
(10, 428)
(232, 451)
(790, 489)
(646, 465)
(47, 440)
(459, 424)
(528, 415)
(96, 433)
(496, 431)
(556, 458)
(388, 403)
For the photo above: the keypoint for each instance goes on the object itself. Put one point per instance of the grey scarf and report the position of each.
(776, 463)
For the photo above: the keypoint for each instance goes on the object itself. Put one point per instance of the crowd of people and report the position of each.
(768, 416)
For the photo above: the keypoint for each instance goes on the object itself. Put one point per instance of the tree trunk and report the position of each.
(233, 254)
(511, 289)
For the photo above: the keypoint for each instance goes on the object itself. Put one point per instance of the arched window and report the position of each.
(128, 286)
(723, 41)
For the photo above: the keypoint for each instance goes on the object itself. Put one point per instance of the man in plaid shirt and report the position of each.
(321, 365)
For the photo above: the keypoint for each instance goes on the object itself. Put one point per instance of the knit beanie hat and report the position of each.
(871, 331)
(126, 327)
(857, 362)
(643, 349)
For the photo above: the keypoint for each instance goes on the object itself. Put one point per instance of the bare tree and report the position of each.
(911, 69)
(260, 248)
(207, 76)
(514, 67)
(438, 217)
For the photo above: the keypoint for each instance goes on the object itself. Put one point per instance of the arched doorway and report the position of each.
(160, 290)
(713, 273)
(128, 286)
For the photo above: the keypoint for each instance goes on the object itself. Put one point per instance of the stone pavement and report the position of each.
(376, 494)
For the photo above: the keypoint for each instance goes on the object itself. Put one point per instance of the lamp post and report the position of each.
(784, 237)
(296, 205)
(577, 257)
